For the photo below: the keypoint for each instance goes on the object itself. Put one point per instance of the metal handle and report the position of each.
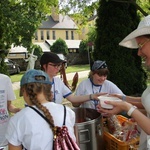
(82, 132)
(99, 129)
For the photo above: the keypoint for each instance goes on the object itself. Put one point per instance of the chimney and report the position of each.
(55, 14)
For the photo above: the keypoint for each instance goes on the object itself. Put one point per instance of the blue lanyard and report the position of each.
(100, 87)
(54, 96)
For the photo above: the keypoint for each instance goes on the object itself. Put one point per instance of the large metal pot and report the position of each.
(88, 129)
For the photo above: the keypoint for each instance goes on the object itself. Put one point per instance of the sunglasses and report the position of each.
(57, 66)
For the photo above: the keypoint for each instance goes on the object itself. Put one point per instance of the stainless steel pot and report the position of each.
(88, 129)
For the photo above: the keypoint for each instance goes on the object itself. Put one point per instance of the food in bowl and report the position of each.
(107, 98)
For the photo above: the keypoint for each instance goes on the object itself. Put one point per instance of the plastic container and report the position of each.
(112, 143)
(107, 98)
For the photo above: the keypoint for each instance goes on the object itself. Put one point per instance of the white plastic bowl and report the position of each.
(107, 98)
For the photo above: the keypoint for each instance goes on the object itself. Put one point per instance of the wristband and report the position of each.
(90, 96)
(130, 111)
(123, 97)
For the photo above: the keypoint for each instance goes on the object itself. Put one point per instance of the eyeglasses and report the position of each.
(58, 66)
(142, 44)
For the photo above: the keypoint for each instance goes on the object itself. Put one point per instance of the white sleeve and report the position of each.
(115, 89)
(11, 134)
(80, 89)
(10, 92)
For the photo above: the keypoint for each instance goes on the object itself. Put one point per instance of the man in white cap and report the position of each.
(139, 38)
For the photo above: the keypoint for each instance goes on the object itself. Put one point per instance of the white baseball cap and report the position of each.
(142, 29)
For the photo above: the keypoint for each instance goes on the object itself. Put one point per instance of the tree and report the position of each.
(59, 46)
(92, 34)
(115, 21)
(20, 19)
(83, 48)
(3, 66)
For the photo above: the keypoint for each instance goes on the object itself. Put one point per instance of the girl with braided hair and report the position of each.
(27, 128)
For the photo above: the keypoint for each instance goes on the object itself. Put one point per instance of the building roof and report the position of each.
(45, 47)
(72, 44)
(18, 49)
(65, 22)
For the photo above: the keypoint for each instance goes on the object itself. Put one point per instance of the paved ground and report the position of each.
(82, 74)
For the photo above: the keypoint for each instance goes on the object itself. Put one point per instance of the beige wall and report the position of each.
(17, 55)
(84, 31)
(58, 34)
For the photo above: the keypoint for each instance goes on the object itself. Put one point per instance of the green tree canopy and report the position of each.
(19, 20)
(83, 48)
(59, 46)
(115, 21)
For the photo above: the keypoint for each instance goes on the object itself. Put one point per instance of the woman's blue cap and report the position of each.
(30, 77)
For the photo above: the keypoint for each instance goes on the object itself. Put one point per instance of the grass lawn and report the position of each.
(19, 102)
(74, 68)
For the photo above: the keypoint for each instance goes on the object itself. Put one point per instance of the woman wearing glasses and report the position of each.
(51, 64)
(139, 38)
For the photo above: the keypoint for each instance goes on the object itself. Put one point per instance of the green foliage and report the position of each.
(83, 48)
(144, 5)
(17, 77)
(92, 34)
(20, 20)
(59, 46)
(37, 51)
(3, 66)
(115, 21)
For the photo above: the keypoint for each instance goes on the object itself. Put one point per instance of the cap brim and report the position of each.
(130, 41)
(59, 61)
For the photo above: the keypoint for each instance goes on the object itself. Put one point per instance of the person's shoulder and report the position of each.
(57, 79)
(4, 77)
(20, 114)
(85, 81)
(70, 111)
(109, 82)
(60, 106)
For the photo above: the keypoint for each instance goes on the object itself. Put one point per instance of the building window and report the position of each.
(42, 35)
(36, 36)
(67, 37)
(54, 36)
(48, 35)
(72, 35)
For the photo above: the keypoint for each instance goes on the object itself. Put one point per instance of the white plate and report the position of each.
(107, 98)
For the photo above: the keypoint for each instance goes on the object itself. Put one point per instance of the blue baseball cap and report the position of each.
(98, 65)
(30, 77)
